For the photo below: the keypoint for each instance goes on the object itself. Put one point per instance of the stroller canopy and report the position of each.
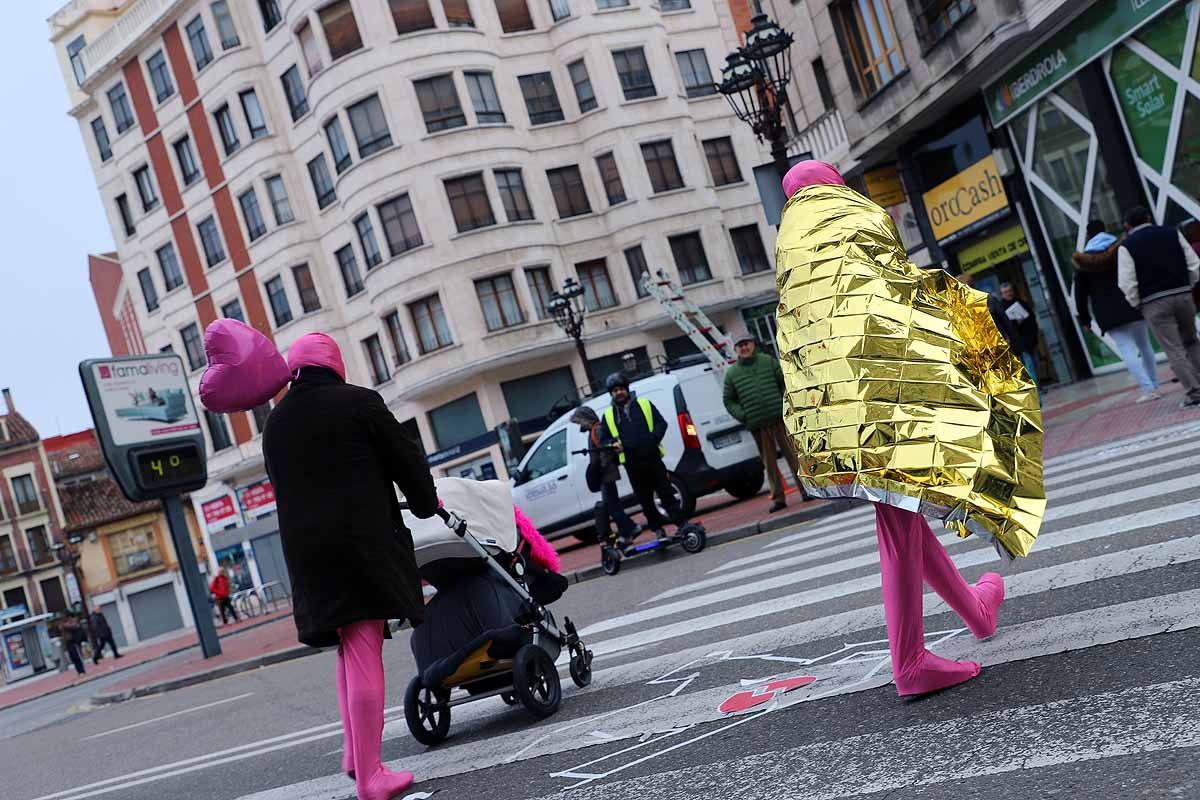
(487, 506)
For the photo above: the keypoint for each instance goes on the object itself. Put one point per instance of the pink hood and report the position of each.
(811, 173)
(316, 350)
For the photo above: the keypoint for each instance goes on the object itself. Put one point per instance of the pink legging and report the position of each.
(360, 700)
(909, 553)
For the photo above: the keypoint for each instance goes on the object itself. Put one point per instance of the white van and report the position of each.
(706, 451)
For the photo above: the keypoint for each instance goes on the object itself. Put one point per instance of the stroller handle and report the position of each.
(453, 521)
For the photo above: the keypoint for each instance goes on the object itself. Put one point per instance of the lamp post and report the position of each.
(68, 555)
(754, 81)
(568, 309)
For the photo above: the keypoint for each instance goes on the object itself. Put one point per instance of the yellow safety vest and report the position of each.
(610, 417)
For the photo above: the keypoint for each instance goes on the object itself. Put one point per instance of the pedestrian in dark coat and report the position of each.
(72, 634)
(102, 635)
(603, 472)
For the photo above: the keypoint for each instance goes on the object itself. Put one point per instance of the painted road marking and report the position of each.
(1108, 452)
(744, 701)
(166, 716)
(1188, 448)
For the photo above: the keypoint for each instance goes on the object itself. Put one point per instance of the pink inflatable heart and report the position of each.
(244, 368)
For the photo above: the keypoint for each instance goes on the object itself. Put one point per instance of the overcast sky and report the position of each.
(50, 219)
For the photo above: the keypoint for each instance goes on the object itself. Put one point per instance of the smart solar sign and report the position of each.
(147, 424)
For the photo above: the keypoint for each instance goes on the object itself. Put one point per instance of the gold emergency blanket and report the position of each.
(900, 388)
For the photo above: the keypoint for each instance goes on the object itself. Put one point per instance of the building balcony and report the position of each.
(136, 21)
(825, 139)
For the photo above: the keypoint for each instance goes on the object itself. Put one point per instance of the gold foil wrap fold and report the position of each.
(900, 388)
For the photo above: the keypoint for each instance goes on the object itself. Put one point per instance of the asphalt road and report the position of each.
(1092, 683)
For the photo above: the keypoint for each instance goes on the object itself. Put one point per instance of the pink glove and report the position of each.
(244, 368)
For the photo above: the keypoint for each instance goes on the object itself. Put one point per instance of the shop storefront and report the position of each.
(1102, 116)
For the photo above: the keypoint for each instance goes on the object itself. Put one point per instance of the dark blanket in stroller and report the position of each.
(461, 617)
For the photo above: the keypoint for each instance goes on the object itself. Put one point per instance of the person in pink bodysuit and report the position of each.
(909, 555)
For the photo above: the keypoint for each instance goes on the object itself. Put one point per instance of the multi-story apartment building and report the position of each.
(995, 131)
(31, 520)
(415, 178)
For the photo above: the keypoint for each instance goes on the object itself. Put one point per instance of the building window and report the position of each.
(202, 54)
(210, 240)
(693, 67)
(167, 348)
(822, 79)
(614, 189)
(597, 288)
(225, 27)
(25, 495)
(486, 102)
(348, 266)
(939, 17)
(270, 14)
(399, 347)
(603, 4)
(399, 225)
(429, 320)
(584, 93)
(75, 55)
(137, 550)
(498, 299)
(119, 102)
(457, 422)
(322, 181)
(217, 431)
(370, 126)
(146, 190)
(186, 157)
(233, 310)
(661, 164)
(570, 195)
(868, 31)
(514, 16)
(256, 226)
(458, 13)
(560, 9)
(193, 346)
(309, 48)
(293, 89)
(254, 114)
(376, 359)
(341, 29)
(469, 202)
(439, 103)
(541, 287)
(541, 101)
(512, 193)
(309, 301)
(722, 162)
(411, 15)
(636, 260)
(366, 238)
(338, 145)
(634, 73)
(149, 293)
(101, 133)
(225, 126)
(748, 245)
(674, 5)
(160, 76)
(168, 264)
(261, 412)
(126, 213)
(690, 259)
(39, 545)
(277, 296)
(277, 193)
(8, 563)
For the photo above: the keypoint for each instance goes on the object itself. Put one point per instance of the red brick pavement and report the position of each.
(1089, 422)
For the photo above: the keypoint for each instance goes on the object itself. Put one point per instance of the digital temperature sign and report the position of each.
(170, 467)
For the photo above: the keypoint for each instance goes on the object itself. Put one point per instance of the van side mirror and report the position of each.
(519, 476)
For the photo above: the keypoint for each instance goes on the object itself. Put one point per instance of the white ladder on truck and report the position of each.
(714, 344)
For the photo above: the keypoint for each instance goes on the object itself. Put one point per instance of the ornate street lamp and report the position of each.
(754, 81)
(567, 306)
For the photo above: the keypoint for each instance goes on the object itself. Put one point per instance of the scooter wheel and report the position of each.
(427, 713)
(694, 539)
(610, 561)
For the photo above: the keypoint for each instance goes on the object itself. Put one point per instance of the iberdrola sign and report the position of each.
(1086, 37)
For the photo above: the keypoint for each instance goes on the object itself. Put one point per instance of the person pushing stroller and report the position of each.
(603, 472)
(636, 429)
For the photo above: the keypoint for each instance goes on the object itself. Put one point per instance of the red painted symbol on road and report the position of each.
(762, 694)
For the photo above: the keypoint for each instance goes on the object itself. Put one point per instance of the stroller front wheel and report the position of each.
(535, 681)
(427, 713)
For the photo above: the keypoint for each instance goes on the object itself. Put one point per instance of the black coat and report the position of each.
(1096, 281)
(1027, 329)
(335, 454)
(1005, 325)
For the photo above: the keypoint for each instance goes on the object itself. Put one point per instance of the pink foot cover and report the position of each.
(933, 673)
(385, 785)
(990, 590)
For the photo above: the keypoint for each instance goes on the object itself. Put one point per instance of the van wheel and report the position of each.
(687, 500)
(746, 486)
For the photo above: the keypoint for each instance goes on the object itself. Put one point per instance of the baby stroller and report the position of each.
(487, 631)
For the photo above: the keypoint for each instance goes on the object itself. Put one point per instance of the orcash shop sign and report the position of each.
(967, 202)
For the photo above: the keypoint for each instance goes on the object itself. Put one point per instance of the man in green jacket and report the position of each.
(754, 397)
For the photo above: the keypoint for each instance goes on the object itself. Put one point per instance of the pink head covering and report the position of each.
(811, 173)
(316, 350)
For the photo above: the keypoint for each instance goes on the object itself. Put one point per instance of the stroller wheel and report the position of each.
(581, 668)
(610, 561)
(426, 712)
(535, 681)
(694, 538)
